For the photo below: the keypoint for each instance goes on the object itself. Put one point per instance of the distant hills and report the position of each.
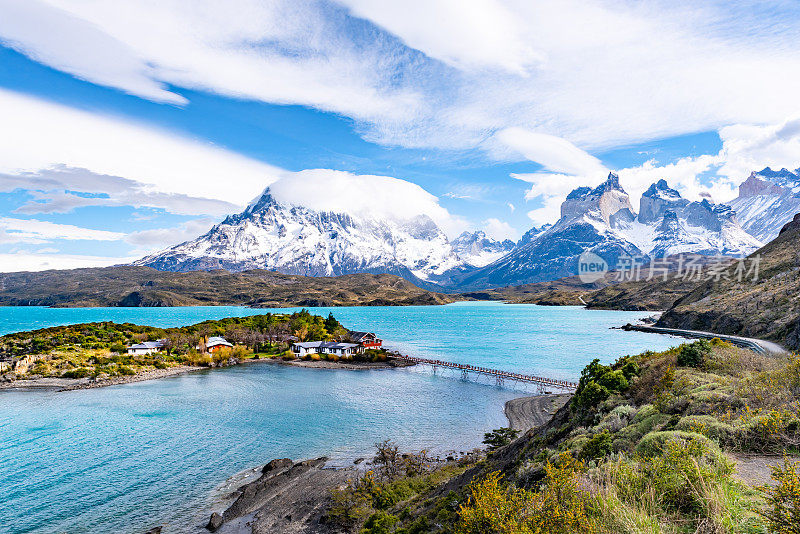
(145, 286)
(291, 239)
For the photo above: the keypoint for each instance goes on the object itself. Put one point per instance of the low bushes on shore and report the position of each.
(642, 447)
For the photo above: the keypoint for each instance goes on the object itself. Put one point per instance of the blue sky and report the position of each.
(131, 126)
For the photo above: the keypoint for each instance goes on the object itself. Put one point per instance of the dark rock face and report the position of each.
(281, 463)
(793, 339)
(214, 522)
(791, 225)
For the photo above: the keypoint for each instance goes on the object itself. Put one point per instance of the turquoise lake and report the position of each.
(126, 458)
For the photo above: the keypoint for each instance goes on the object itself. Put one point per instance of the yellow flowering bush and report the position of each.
(784, 499)
(561, 506)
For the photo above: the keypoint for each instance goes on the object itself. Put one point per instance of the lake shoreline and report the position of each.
(73, 384)
(290, 497)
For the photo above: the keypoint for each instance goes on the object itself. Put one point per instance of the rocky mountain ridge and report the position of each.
(298, 240)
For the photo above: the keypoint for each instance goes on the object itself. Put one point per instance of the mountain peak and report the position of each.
(476, 249)
(659, 199)
(611, 183)
(661, 189)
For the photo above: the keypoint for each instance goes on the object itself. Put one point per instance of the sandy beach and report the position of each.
(525, 413)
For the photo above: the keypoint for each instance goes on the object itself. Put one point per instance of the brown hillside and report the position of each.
(768, 308)
(145, 286)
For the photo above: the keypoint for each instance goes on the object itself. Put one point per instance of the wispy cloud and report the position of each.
(38, 135)
(31, 261)
(443, 73)
(34, 231)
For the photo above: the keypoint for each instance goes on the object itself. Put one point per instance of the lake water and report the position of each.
(126, 458)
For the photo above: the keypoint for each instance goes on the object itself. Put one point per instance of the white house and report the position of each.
(215, 343)
(343, 350)
(148, 347)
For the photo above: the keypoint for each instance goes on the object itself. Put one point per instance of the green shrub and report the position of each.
(379, 523)
(158, 364)
(784, 498)
(706, 425)
(499, 437)
(693, 354)
(598, 446)
(613, 380)
(80, 372)
(654, 443)
(126, 371)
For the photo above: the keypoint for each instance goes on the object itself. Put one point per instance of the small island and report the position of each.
(106, 353)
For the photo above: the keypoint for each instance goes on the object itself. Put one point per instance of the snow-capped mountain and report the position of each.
(602, 221)
(531, 234)
(476, 249)
(297, 240)
(767, 200)
(668, 224)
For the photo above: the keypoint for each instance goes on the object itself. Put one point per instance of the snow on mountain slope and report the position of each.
(602, 221)
(297, 240)
(476, 249)
(767, 200)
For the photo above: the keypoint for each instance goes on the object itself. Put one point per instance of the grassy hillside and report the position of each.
(144, 286)
(768, 308)
(648, 444)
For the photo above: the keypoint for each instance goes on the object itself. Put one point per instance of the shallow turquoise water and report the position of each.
(126, 458)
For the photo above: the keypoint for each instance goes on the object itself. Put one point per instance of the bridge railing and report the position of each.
(561, 384)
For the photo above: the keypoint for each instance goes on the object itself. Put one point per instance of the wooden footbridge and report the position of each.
(544, 385)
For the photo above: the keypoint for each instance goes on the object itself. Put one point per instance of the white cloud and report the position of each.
(278, 51)
(553, 153)
(148, 241)
(39, 135)
(62, 189)
(499, 230)
(36, 231)
(374, 196)
(41, 32)
(25, 261)
(597, 73)
(479, 33)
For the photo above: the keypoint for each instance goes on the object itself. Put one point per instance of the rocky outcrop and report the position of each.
(288, 497)
(794, 224)
(658, 200)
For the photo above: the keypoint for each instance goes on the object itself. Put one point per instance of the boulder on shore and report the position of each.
(214, 522)
(278, 463)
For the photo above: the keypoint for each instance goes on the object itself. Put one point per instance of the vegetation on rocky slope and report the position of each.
(645, 445)
(144, 286)
(767, 308)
